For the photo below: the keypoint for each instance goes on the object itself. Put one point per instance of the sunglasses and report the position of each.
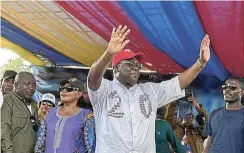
(68, 88)
(231, 87)
(45, 103)
(133, 64)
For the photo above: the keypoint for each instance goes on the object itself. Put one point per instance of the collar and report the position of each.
(22, 99)
(130, 89)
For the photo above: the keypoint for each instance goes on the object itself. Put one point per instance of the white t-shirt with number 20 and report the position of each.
(125, 118)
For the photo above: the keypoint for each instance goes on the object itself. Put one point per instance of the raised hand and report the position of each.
(205, 49)
(193, 101)
(117, 41)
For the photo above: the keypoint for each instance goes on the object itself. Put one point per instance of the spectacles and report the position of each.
(231, 87)
(68, 88)
(133, 64)
(45, 103)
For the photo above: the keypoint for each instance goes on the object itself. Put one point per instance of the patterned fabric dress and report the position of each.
(74, 134)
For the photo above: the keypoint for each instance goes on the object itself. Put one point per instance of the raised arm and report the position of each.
(200, 109)
(207, 144)
(115, 45)
(190, 74)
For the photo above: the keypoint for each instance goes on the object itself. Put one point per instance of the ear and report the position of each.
(80, 94)
(16, 85)
(117, 68)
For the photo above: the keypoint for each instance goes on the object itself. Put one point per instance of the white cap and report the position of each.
(48, 97)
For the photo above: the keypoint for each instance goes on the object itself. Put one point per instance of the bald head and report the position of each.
(23, 75)
(25, 85)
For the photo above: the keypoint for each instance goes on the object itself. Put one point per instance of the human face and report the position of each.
(26, 87)
(232, 91)
(129, 71)
(45, 106)
(7, 85)
(69, 94)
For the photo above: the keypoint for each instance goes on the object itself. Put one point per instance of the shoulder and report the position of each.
(88, 114)
(8, 98)
(163, 122)
(52, 111)
(216, 111)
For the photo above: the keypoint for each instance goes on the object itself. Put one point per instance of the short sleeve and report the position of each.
(168, 91)
(97, 96)
(208, 128)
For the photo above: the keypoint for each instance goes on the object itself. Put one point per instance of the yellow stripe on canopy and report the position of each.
(51, 24)
(26, 55)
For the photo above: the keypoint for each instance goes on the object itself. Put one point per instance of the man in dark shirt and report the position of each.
(164, 135)
(19, 116)
(225, 128)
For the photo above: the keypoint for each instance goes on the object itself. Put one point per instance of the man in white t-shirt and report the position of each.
(125, 111)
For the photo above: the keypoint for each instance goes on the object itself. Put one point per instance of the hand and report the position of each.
(205, 50)
(117, 41)
(193, 100)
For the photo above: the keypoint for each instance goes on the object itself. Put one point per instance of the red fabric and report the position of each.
(224, 22)
(127, 54)
(101, 17)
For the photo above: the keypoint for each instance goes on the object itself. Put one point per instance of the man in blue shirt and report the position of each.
(225, 128)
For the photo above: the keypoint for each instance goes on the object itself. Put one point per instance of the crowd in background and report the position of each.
(173, 132)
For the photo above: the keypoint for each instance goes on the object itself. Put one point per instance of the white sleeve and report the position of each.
(98, 96)
(168, 91)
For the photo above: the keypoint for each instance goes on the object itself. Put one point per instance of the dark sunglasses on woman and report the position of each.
(68, 88)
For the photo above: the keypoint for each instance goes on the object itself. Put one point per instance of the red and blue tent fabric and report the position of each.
(169, 33)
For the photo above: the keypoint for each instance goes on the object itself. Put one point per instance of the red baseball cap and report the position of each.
(127, 54)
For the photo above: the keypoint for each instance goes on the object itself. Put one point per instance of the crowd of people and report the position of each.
(122, 115)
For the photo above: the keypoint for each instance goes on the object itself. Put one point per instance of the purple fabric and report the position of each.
(71, 127)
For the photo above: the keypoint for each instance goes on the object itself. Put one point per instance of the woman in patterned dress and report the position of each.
(69, 128)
